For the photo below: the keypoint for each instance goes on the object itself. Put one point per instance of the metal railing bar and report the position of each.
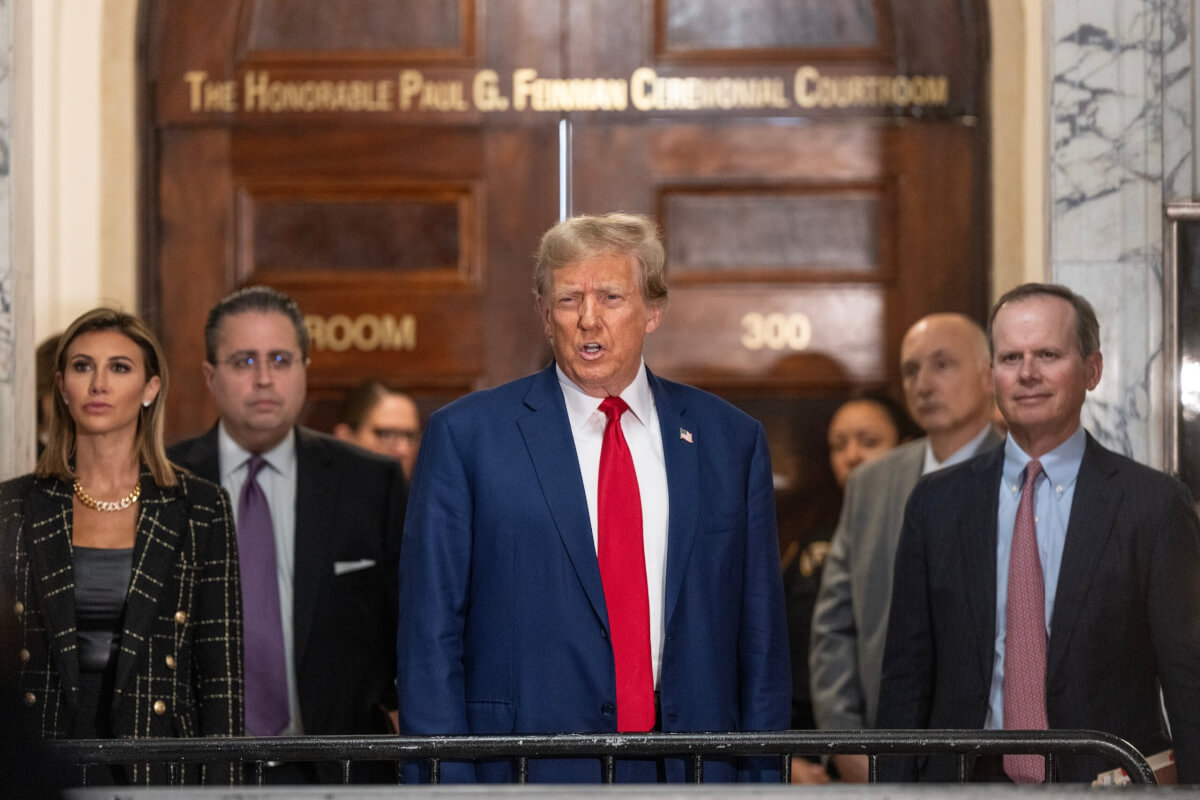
(1050, 744)
(697, 768)
(872, 768)
(608, 769)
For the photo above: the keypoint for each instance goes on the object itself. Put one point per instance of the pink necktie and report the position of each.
(623, 571)
(1025, 641)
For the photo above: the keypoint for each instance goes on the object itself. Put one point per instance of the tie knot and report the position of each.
(254, 465)
(1032, 470)
(613, 407)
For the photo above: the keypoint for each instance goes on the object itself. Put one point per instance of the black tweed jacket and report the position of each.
(179, 667)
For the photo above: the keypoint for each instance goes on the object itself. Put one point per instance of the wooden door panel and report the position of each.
(811, 208)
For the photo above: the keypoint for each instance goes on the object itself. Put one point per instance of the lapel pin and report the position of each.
(686, 435)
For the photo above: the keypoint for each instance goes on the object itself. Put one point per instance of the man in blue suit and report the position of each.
(506, 623)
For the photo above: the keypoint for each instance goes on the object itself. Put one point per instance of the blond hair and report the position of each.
(60, 447)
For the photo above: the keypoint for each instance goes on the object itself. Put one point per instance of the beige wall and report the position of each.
(84, 175)
(1019, 144)
(85, 159)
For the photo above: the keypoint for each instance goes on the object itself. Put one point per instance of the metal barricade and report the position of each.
(255, 752)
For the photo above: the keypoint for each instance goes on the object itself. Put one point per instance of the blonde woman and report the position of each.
(124, 568)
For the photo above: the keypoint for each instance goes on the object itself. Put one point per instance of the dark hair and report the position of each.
(253, 298)
(906, 429)
(60, 447)
(359, 401)
(1087, 327)
(44, 361)
(578, 238)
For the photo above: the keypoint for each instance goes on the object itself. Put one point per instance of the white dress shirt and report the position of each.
(644, 437)
(277, 479)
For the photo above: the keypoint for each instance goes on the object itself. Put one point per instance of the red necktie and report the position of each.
(623, 571)
(1025, 640)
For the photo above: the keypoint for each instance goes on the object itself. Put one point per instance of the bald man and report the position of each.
(946, 371)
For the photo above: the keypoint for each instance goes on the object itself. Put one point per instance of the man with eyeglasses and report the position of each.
(320, 654)
(383, 421)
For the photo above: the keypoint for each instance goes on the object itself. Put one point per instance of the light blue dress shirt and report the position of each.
(1053, 496)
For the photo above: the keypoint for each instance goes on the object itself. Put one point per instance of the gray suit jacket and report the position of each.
(849, 627)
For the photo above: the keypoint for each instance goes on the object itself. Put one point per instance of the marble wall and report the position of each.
(12, 444)
(1120, 147)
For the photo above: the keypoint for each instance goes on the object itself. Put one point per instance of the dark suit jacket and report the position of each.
(503, 624)
(181, 643)
(349, 508)
(1124, 620)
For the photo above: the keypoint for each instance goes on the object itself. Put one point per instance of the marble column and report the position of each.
(1120, 147)
(16, 283)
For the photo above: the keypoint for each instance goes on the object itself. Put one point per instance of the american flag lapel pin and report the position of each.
(686, 435)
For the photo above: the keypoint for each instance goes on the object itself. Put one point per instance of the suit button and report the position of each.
(160, 707)
(24, 655)
(608, 709)
(603, 633)
(170, 662)
(30, 698)
(19, 608)
(181, 617)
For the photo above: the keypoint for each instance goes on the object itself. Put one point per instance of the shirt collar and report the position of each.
(233, 457)
(1061, 464)
(958, 456)
(582, 406)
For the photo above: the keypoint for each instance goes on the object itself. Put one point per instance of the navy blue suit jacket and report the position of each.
(1125, 614)
(503, 627)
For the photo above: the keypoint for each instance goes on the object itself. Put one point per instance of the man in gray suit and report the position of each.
(945, 366)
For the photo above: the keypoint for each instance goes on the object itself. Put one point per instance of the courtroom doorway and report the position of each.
(819, 171)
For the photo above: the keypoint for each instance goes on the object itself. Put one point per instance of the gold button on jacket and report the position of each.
(160, 707)
(181, 617)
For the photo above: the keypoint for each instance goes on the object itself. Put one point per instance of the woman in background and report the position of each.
(124, 569)
(861, 430)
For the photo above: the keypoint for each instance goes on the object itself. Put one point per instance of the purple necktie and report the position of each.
(266, 667)
(1025, 640)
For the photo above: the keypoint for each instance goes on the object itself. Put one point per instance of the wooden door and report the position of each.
(818, 170)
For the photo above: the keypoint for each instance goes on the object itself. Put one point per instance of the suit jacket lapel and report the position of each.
(683, 487)
(315, 482)
(1090, 524)
(545, 430)
(161, 522)
(977, 534)
(48, 537)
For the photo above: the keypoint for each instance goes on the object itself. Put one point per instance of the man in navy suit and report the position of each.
(506, 625)
(1115, 548)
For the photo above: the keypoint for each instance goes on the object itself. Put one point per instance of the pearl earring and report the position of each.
(146, 404)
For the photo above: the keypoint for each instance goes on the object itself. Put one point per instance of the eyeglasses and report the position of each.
(395, 435)
(277, 361)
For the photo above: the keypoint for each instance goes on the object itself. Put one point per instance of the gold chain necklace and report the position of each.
(104, 505)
